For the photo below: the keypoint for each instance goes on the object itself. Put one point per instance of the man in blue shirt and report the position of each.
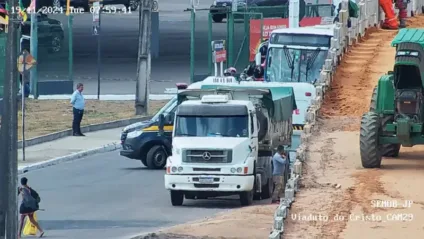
(78, 103)
(279, 161)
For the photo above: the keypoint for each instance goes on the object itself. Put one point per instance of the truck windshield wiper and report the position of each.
(311, 62)
(290, 60)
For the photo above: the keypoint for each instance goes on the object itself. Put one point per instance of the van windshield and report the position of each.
(166, 109)
(294, 65)
(212, 126)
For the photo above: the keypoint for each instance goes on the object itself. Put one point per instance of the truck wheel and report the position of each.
(217, 18)
(369, 147)
(373, 104)
(177, 198)
(246, 198)
(156, 157)
(267, 189)
(143, 161)
(55, 44)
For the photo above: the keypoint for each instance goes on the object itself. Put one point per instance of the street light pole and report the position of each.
(9, 122)
(144, 58)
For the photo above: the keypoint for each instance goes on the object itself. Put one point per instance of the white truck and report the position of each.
(224, 140)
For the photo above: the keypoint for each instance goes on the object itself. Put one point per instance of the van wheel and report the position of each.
(156, 157)
(177, 198)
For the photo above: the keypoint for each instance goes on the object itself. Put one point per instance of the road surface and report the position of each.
(107, 196)
(119, 43)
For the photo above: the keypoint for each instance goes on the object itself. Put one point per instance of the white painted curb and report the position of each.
(70, 157)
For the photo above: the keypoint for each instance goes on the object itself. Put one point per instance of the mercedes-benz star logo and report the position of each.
(206, 155)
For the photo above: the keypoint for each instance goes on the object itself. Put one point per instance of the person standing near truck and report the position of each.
(78, 103)
(279, 161)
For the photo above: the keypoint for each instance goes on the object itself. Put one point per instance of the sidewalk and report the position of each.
(68, 145)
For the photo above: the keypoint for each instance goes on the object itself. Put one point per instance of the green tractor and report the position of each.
(396, 112)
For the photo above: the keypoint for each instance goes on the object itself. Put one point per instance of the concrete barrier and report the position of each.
(344, 37)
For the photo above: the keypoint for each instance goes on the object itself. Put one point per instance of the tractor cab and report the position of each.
(408, 81)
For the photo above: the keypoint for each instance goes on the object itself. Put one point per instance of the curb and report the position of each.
(84, 129)
(342, 40)
(67, 158)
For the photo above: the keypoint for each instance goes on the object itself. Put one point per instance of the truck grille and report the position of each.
(207, 156)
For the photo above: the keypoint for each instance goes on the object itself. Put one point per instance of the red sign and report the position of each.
(269, 25)
(220, 56)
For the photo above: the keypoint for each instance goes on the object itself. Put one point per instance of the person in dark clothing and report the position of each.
(29, 205)
(78, 103)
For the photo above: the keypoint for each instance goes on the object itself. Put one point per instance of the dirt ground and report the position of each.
(367, 202)
(342, 200)
(49, 116)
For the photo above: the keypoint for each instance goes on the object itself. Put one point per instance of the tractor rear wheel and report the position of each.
(369, 146)
(389, 150)
(373, 104)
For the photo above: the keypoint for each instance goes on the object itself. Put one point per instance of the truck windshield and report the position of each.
(294, 65)
(208, 126)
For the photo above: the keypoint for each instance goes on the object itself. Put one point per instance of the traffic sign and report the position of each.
(96, 30)
(29, 61)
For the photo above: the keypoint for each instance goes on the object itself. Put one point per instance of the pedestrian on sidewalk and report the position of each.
(78, 103)
(29, 205)
(279, 161)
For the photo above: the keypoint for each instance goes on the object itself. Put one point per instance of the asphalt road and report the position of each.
(119, 33)
(107, 196)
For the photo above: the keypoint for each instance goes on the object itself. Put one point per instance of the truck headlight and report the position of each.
(180, 169)
(134, 134)
(238, 170)
(174, 169)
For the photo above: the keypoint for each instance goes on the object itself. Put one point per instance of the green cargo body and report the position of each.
(281, 101)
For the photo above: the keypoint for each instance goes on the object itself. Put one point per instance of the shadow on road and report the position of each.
(99, 224)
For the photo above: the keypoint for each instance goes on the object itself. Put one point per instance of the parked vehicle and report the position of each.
(219, 8)
(50, 33)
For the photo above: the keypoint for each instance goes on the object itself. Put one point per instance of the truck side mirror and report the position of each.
(161, 122)
(258, 59)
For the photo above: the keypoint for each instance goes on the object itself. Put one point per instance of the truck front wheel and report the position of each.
(177, 198)
(246, 198)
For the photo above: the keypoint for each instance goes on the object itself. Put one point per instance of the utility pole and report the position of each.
(34, 53)
(9, 139)
(144, 58)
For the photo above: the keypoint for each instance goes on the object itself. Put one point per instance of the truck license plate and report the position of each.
(206, 180)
